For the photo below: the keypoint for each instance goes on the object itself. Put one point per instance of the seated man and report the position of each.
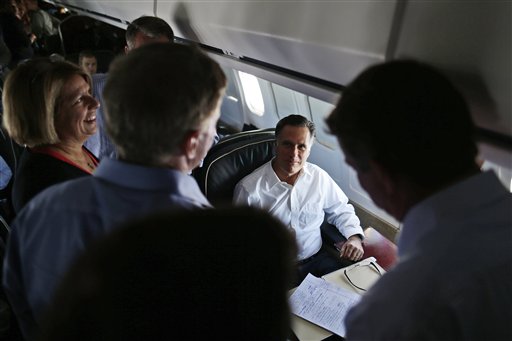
(43, 26)
(160, 139)
(301, 195)
(88, 62)
(172, 275)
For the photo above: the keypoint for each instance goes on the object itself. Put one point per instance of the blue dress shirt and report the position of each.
(61, 221)
(100, 143)
(5, 173)
(454, 276)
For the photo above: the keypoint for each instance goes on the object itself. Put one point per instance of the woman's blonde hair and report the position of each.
(31, 97)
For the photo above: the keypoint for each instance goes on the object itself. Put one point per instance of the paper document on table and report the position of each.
(323, 303)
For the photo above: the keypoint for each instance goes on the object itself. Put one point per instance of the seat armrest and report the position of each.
(375, 245)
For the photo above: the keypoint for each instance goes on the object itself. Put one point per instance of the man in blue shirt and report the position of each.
(407, 132)
(169, 293)
(143, 30)
(162, 105)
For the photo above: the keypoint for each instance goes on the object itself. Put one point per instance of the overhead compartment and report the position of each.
(472, 42)
(115, 12)
(330, 40)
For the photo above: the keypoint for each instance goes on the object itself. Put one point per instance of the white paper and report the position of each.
(323, 303)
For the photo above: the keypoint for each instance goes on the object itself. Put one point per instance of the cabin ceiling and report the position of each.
(335, 40)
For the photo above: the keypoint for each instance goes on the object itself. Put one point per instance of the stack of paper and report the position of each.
(323, 303)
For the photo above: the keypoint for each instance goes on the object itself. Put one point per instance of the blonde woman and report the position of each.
(48, 107)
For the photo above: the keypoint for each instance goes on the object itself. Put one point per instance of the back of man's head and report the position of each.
(152, 28)
(157, 94)
(409, 118)
(172, 274)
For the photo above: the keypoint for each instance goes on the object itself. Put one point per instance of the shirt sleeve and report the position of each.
(106, 147)
(339, 212)
(12, 282)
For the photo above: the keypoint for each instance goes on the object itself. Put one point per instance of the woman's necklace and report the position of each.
(83, 160)
(89, 161)
(91, 166)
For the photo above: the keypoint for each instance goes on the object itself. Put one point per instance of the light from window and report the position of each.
(252, 93)
(504, 174)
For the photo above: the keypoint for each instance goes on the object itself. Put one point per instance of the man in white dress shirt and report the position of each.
(302, 195)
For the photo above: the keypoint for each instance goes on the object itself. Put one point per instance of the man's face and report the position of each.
(206, 135)
(293, 149)
(89, 65)
(372, 180)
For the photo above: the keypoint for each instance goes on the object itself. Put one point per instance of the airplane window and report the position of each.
(290, 102)
(252, 93)
(232, 114)
(319, 111)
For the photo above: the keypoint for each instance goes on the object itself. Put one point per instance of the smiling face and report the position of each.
(292, 150)
(76, 111)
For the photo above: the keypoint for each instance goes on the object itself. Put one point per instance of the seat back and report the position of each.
(231, 159)
(4, 230)
(103, 57)
(77, 33)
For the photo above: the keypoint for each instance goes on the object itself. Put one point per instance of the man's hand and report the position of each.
(352, 249)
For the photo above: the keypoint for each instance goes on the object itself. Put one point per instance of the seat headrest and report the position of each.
(231, 159)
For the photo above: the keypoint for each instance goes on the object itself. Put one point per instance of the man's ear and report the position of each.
(191, 143)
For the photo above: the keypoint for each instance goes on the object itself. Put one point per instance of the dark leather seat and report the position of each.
(80, 32)
(4, 232)
(231, 159)
(77, 33)
(103, 58)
